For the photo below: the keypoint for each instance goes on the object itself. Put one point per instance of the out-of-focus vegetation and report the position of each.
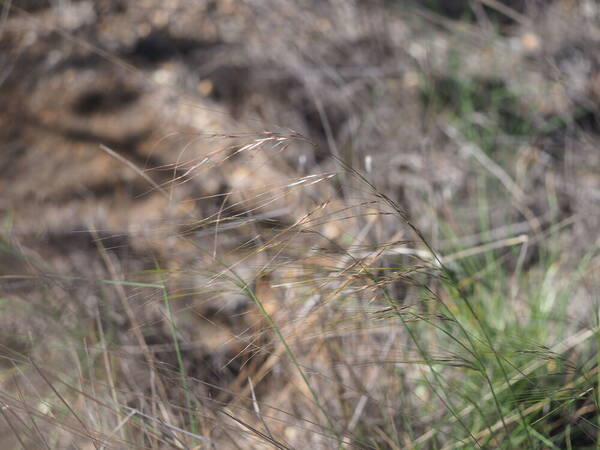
(278, 224)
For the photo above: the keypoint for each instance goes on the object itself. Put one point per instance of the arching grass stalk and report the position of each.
(446, 401)
(454, 283)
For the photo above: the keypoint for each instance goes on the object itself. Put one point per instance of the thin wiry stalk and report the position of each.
(181, 364)
(454, 282)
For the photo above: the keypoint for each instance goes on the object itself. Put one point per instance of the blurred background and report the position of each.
(168, 165)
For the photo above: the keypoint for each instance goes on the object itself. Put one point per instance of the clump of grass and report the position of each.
(371, 344)
(314, 309)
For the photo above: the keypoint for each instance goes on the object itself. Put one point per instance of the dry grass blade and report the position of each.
(135, 168)
(255, 431)
(507, 11)
(164, 424)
